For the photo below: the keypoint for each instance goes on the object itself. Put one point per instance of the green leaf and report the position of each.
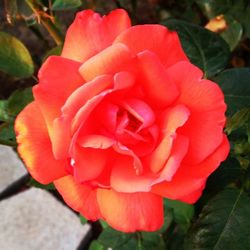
(36, 184)
(238, 9)
(183, 212)
(204, 48)
(236, 87)
(66, 4)
(104, 224)
(18, 100)
(3, 111)
(228, 172)
(95, 245)
(111, 238)
(223, 223)
(233, 33)
(15, 59)
(168, 218)
(7, 134)
(213, 8)
(83, 220)
(238, 120)
(152, 241)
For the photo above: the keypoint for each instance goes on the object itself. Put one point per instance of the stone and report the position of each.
(11, 167)
(34, 220)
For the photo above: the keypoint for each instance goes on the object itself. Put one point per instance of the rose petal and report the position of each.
(181, 185)
(95, 141)
(124, 178)
(122, 149)
(140, 110)
(84, 93)
(192, 197)
(206, 102)
(131, 212)
(106, 62)
(210, 164)
(53, 89)
(35, 146)
(171, 120)
(160, 90)
(93, 33)
(89, 163)
(164, 43)
(80, 197)
(179, 150)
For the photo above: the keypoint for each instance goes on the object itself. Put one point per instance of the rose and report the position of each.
(120, 120)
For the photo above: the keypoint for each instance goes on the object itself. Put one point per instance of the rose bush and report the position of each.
(122, 119)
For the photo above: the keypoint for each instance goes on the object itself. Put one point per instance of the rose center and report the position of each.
(127, 121)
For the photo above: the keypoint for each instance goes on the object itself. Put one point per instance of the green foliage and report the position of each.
(238, 9)
(9, 109)
(15, 59)
(18, 100)
(34, 183)
(233, 32)
(238, 120)
(182, 212)
(205, 49)
(229, 172)
(236, 88)
(66, 4)
(223, 223)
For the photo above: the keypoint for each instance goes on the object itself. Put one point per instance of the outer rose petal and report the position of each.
(58, 78)
(80, 197)
(189, 181)
(131, 212)
(192, 197)
(206, 103)
(162, 42)
(180, 186)
(211, 163)
(90, 33)
(35, 146)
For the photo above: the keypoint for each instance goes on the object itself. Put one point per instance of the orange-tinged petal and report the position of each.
(90, 33)
(89, 163)
(193, 197)
(210, 164)
(171, 120)
(124, 178)
(155, 38)
(58, 78)
(131, 212)
(107, 61)
(179, 150)
(80, 197)
(35, 146)
(206, 103)
(81, 98)
(159, 89)
(189, 181)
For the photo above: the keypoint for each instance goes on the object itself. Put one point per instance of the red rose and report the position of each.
(122, 119)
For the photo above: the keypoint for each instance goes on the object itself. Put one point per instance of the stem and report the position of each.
(139, 240)
(46, 21)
